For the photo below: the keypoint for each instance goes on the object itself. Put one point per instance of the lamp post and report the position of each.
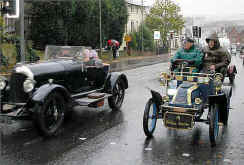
(142, 12)
(100, 26)
(22, 33)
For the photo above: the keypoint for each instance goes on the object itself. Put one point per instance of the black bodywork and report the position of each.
(69, 77)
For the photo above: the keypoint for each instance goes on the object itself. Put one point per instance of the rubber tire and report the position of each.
(149, 131)
(226, 114)
(213, 124)
(112, 100)
(39, 114)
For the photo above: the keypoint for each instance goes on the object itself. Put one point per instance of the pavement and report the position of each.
(127, 63)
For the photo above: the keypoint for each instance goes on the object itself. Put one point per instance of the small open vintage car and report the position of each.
(188, 96)
(47, 90)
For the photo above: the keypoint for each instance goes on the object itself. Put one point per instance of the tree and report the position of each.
(76, 22)
(164, 16)
(148, 42)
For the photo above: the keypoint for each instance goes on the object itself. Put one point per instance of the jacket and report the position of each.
(193, 54)
(217, 55)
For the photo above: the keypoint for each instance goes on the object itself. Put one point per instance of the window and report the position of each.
(132, 26)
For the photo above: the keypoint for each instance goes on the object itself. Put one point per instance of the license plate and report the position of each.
(178, 120)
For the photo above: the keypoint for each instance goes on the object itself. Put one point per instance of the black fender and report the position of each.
(42, 92)
(222, 100)
(157, 99)
(111, 80)
(218, 99)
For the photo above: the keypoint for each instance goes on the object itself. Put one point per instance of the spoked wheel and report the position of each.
(213, 124)
(50, 116)
(115, 101)
(150, 118)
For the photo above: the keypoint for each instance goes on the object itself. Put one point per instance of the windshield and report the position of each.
(69, 52)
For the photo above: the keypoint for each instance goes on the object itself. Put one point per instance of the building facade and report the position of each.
(136, 15)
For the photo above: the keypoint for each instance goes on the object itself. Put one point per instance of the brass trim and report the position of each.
(173, 100)
(179, 109)
(192, 121)
(189, 91)
(173, 107)
(179, 77)
(190, 78)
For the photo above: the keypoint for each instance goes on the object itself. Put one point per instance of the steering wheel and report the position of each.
(181, 63)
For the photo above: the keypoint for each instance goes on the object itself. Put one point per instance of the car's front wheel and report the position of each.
(150, 118)
(118, 92)
(49, 116)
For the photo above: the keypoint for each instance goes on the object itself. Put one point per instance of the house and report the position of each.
(136, 14)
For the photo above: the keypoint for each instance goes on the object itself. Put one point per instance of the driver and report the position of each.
(190, 54)
(216, 57)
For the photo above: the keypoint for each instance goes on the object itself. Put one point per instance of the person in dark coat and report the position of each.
(216, 57)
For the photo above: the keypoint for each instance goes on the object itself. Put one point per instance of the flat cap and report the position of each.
(188, 39)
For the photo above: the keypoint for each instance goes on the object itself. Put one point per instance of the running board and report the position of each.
(92, 102)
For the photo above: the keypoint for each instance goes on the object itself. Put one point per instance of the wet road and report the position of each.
(103, 137)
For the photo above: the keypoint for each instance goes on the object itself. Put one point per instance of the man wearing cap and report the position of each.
(190, 54)
(216, 57)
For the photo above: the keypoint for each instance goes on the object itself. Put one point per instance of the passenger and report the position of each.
(190, 54)
(216, 57)
(94, 58)
(86, 55)
(91, 58)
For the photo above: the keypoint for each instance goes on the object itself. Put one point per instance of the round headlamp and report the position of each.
(28, 85)
(2, 83)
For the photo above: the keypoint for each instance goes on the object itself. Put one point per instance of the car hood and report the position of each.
(45, 68)
(55, 69)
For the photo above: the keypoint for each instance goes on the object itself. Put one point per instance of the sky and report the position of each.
(208, 7)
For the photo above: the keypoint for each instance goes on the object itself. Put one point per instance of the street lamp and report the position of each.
(100, 26)
(142, 12)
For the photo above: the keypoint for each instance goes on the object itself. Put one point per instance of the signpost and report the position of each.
(127, 40)
(156, 37)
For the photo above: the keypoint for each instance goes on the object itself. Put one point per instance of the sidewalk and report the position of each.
(137, 61)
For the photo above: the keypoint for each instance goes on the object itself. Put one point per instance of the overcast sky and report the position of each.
(209, 7)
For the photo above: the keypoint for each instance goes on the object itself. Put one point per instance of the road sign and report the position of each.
(127, 38)
(156, 35)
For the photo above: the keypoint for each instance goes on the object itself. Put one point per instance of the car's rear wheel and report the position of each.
(150, 118)
(118, 92)
(50, 116)
(213, 124)
(226, 113)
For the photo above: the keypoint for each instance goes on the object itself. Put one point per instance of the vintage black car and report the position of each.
(45, 91)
